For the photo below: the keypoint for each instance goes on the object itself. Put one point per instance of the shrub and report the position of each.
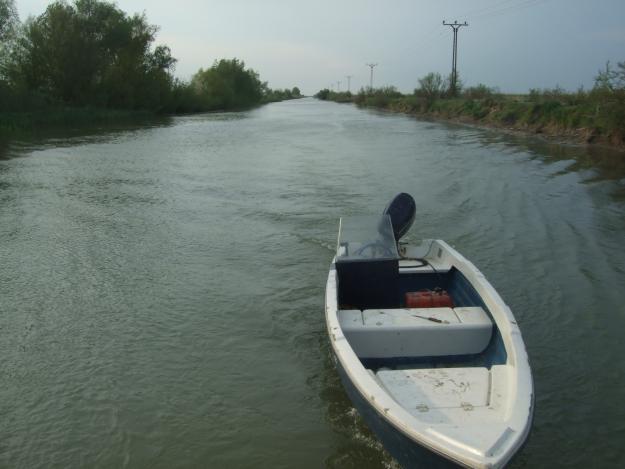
(431, 87)
(323, 94)
(480, 91)
(227, 85)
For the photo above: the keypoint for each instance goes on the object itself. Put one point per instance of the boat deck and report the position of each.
(473, 395)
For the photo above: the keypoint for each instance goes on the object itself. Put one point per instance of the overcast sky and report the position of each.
(512, 44)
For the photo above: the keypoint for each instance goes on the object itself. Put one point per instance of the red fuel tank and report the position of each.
(429, 299)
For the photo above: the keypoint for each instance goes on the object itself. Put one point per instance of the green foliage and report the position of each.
(342, 97)
(382, 97)
(8, 20)
(592, 115)
(59, 117)
(92, 54)
(339, 97)
(227, 85)
(377, 97)
(479, 91)
(9, 26)
(453, 90)
(271, 96)
(431, 87)
(323, 94)
(361, 96)
(610, 79)
(556, 94)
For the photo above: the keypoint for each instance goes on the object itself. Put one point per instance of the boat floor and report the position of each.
(457, 396)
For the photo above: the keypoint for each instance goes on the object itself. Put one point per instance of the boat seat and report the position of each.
(416, 332)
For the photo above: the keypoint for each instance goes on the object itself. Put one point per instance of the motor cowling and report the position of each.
(402, 210)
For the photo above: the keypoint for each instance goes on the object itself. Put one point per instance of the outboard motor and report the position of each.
(402, 210)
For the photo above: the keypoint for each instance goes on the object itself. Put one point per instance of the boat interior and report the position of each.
(372, 307)
(442, 364)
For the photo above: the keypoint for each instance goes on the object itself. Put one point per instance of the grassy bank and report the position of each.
(62, 117)
(54, 117)
(25, 122)
(596, 116)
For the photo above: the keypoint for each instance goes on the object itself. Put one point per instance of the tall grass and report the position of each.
(594, 115)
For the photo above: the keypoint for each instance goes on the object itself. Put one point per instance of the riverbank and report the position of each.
(566, 117)
(12, 123)
(27, 122)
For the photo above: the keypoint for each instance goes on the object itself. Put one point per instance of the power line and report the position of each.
(432, 35)
(429, 37)
(371, 76)
(454, 61)
(501, 9)
(483, 10)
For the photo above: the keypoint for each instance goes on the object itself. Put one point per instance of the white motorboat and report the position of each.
(428, 352)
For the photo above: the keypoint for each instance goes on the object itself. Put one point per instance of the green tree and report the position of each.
(431, 87)
(611, 79)
(323, 94)
(227, 85)
(92, 53)
(9, 22)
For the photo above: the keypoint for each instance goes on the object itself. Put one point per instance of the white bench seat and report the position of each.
(416, 332)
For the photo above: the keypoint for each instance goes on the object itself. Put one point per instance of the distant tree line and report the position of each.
(92, 54)
(281, 95)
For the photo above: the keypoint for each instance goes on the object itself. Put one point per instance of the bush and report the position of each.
(382, 97)
(431, 87)
(271, 96)
(339, 97)
(480, 91)
(227, 85)
(360, 97)
(323, 94)
(611, 79)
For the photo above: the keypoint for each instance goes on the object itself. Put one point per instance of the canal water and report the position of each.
(162, 286)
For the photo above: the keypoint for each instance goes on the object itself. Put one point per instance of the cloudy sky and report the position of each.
(512, 44)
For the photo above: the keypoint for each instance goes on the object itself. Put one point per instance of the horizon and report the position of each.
(513, 45)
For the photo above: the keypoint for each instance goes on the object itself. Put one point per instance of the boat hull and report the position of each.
(407, 452)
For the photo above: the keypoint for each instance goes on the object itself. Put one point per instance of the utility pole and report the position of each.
(349, 83)
(371, 76)
(454, 60)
